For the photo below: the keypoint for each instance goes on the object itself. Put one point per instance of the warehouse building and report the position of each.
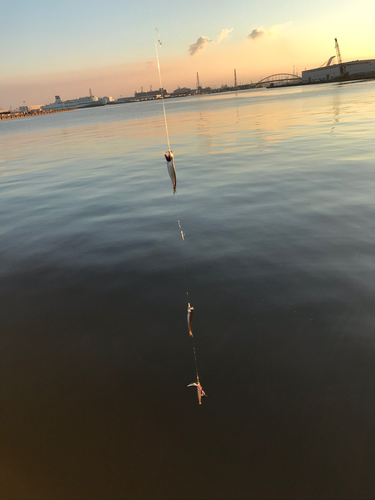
(352, 70)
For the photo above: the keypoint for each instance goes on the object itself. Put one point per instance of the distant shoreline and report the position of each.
(12, 116)
(352, 79)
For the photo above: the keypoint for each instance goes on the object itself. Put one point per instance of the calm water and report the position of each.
(276, 196)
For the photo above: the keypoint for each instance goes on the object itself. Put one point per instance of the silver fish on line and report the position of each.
(200, 392)
(190, 311)
(171, 170)
(182, 233)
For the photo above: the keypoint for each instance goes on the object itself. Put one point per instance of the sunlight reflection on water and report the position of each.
(276, 201)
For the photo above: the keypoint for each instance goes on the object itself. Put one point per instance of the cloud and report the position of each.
(257, 33)
(198, 45)
(204, 40)
(260, 32)
(223, 34)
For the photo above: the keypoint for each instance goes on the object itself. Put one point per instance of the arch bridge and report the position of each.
(279, 79)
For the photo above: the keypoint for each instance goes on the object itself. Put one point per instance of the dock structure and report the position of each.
(9, 115)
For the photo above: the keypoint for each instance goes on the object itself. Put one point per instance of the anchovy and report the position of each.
(171, 170)
(190, 311)
(200, 392)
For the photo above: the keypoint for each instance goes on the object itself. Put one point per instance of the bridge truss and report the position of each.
(279, 79)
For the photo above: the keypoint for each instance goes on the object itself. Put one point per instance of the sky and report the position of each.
(50, 47)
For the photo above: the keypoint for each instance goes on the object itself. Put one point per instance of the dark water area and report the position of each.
(276, 200)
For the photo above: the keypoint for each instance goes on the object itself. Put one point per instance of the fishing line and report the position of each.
(195, 359)
(184, 256)
(157, 43)
(172, 173)
(157, 40)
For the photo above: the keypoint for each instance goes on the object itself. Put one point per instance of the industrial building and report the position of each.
(182, 91)
(152, 94)
(352, 70)
(30, 109)
(346, 71)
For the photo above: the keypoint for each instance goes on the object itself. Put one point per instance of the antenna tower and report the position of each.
(235, 78)
(198, 84)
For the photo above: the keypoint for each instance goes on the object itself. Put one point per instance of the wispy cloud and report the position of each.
(261, 32)
(223, 34)
(198, 45)
(257, 33)
(202, 41)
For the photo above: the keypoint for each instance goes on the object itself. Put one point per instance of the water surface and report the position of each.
(276, 199)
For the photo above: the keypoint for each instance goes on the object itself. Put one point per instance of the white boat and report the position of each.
(81, 102)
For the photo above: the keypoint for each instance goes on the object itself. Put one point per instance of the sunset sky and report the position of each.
(50, 47)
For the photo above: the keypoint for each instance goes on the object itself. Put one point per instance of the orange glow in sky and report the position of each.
(109, 46)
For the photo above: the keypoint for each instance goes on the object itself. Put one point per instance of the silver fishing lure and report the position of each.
(190, 311)
(171, 170)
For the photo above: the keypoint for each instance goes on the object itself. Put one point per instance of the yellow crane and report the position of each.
(339, 60)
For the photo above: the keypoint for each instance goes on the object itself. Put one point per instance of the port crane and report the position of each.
(339, 60)
(327, 63)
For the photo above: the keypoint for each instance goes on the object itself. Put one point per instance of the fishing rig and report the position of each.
(169, 157)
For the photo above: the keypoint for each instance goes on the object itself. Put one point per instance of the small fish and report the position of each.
(200, 392)
(171, 170)
(190, 311)
(182, 233)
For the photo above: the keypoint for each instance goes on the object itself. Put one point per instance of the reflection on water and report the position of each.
(278, 217)
(203, 129)
(336, 102)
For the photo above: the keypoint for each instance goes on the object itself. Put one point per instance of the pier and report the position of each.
(8, 115)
